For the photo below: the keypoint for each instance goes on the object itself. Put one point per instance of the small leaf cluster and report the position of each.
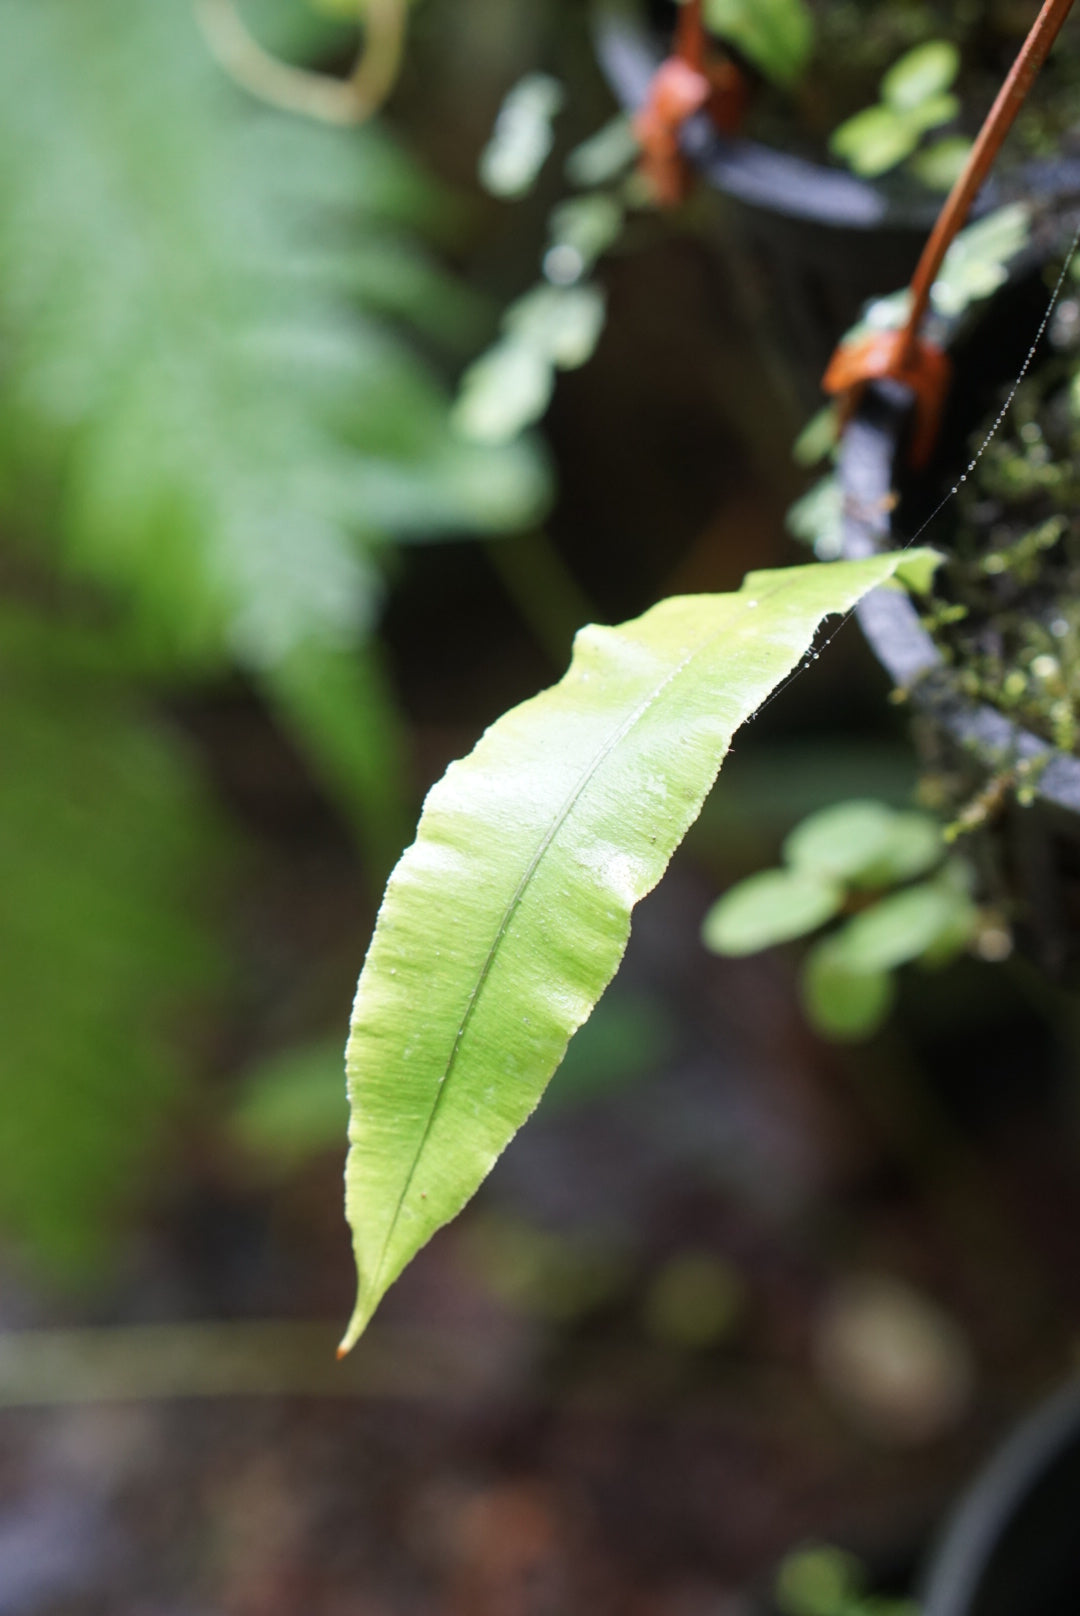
(915, 97)
(820, 1580)
(883, 873)
(557, 324)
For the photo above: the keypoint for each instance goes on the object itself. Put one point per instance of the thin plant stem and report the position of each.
(297, 89)
(999, 121)
(690, 35)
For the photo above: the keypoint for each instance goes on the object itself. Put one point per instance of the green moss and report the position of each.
(1006, 608)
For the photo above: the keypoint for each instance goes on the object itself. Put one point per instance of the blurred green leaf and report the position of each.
(818, 1580)
(818, 438)
(510, 386)
(902, 927)
(921, 75)
(106, 855)
(563, 323)
(940, 165)
(205, 407)
(541, 1272)
(695, 1300)
(777, 36)
(605, 155)
(914, 845)
(293, 1107)
(818, 518)
(841, 1000)
(624, 1039)
(978, 261)
(840, 842)
(503, 392)
(581, 230)
(875, 140)
(932, 113)
(771, 907)
(522, 138)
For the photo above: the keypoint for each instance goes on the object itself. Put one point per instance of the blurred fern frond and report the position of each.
(210, 402)
(107, 854)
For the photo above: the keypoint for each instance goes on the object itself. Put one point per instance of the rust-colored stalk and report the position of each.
(690, 35)
(999, 121)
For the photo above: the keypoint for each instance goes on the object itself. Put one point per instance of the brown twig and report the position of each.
(690, 40)
(999, 121)
(296, 89)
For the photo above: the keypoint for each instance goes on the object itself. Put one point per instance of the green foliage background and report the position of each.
(222, 332)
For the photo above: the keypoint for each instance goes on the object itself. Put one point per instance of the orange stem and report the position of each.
(999, 121)
(690, 35)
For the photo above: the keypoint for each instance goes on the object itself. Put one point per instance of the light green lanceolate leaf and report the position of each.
(776, 35)
(772, 907)
(508, 916)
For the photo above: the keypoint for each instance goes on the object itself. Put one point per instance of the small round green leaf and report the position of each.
(874, 141)
(914, 845)
(840, 842)
(901, 928)
(925, 72)
(939, 166)
(932, 113)
(769, 908)
(841, 1001)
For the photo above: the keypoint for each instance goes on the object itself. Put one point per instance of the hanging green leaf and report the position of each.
(776, 35)
(508, 916)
